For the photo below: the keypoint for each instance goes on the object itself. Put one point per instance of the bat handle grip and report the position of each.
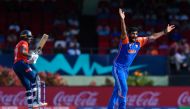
(38, 50)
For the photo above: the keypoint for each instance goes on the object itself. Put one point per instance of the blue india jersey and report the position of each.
(128, 51)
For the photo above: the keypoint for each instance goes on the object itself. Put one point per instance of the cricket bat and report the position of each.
(41, 43)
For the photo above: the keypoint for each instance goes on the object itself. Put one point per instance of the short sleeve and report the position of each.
(142, 40)
(126, 40)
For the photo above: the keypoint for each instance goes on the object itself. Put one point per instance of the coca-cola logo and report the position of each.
(147, 98)
(84, 98)
(17, 99)
(184, 99)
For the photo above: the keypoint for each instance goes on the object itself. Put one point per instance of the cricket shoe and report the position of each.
(37, 105)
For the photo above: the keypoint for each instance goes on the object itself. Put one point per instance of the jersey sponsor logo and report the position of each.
(131, 51)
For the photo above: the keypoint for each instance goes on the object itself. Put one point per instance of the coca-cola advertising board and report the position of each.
(99, 96)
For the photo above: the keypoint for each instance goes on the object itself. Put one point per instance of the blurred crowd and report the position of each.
(150, 16)
(57, 18)
(61, 20)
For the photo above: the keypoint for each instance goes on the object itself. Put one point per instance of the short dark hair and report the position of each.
(132, 29)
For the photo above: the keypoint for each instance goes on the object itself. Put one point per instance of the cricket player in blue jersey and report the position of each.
(129, 46)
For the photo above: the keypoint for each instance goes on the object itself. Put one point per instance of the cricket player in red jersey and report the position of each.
(28, 78)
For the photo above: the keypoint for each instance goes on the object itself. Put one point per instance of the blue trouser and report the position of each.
(27, 77)
(25, 74)
(119, 94)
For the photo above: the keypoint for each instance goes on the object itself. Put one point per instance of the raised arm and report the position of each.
(123, 26)
(155, 36)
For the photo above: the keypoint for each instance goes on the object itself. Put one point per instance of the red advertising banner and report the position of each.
(99, 96)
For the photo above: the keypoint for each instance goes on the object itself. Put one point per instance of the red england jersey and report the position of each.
(17, 52)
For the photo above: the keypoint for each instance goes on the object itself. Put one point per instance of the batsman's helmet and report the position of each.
(26, 34)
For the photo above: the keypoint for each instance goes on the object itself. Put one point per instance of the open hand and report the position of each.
(170, 28)
(33, 59)
(121, 13)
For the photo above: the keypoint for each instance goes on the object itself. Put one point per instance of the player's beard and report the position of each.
(132, 39)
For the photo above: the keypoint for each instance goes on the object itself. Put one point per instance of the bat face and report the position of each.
(42, 42)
